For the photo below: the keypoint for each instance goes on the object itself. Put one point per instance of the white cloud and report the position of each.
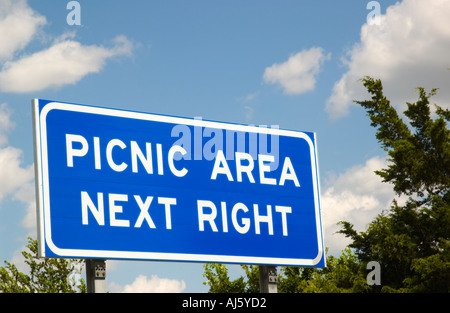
(355, 196)
(66, 62)
(5, 123)
(408, 49)
(249, 113)
(142, 284)
(12, 174)
(250, 97)
(18, 24)
(27, 195)
(16, 180)
(298, 74)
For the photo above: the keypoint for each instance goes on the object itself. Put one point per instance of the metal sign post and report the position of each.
(96, 276)
(268, 279)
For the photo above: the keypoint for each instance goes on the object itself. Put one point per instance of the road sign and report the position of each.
(116, 184)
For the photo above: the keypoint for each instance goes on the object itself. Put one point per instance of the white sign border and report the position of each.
(43, 199)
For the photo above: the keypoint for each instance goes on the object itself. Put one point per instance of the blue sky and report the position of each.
(294, 64)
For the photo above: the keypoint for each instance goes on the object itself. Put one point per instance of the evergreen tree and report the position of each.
(411, 242)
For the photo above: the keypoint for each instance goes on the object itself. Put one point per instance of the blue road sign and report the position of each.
(117, 184)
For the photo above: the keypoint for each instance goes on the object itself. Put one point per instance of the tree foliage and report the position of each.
(420, 157)
(342, 275)
(411, 242)
(52, 275)
(219, 280)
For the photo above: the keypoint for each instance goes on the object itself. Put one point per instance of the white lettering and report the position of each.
(263, 219)
(146, 161)
(202, 216)
(172, 167)
(283, 210)
(86, 203)
(144, 212)
(71, 152)
(98, 165)
(224, 217)
(263, 168)
(159, 159)
(113, 143)
(245, 164)
(77, 146)
(221, 167)
(241, 224)
(113, 209)
(288, 173)
(245, 221)
(240, 168)
(167, 203)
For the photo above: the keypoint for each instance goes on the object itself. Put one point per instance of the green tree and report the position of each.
(51, 275)
(411, 242)
(219, 280)
(343, 274)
